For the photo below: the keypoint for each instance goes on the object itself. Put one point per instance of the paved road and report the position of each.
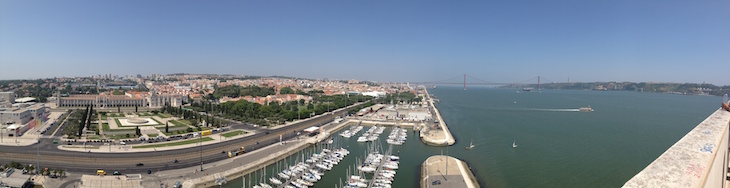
(52, 157)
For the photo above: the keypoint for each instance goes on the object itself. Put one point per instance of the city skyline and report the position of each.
(379, 41)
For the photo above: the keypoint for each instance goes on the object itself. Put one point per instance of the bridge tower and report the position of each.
(464, 82)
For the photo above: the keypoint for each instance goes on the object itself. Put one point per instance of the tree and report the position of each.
(167, 126)
(137, 131)
(286, 90)
(135, 108)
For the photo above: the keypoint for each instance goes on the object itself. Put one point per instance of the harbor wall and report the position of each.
(466, 177)
(448, 138)
(697, 160)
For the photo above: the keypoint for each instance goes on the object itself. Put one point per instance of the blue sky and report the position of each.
(496, 41)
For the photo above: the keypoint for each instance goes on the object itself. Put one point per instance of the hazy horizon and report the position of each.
(646, 41)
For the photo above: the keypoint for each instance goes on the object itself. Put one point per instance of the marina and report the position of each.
(543, 140)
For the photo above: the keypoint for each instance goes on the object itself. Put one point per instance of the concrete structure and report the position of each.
(160, 100)
(446, 171)
(6, 99)
(25, 100)
(699, 159)
(15, 116)
(128, 181)
(21, 117)
(100, 101)
(14, 179)
(15, 129)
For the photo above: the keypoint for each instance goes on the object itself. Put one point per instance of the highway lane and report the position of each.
(161, 160)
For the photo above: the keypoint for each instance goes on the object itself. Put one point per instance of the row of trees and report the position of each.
(234, 91)
(277, 113)
(191, 115)
(237, 91)
(79, 120)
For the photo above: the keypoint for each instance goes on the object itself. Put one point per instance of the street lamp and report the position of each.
(201, 152)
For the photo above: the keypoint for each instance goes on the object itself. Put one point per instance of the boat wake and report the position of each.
(558, 110)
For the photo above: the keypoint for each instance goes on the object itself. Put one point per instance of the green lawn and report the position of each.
(119, 124)
(93, 137)
(180, 122)
(189, 141)
(163, 115)
(105, 126)
(152, 135)
(172, 132)
(233, 133)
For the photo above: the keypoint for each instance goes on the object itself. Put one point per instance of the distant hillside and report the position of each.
(675, 88)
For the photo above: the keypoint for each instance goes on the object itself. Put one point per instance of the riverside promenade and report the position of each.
(440, 136)
(238, 166)
(446, 171)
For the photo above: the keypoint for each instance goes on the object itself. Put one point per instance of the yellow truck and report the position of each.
(236, 152)
(100, 172)
(206, 133)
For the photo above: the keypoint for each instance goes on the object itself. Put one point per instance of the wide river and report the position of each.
(557, 145)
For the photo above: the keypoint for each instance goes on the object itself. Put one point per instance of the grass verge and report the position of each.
(233, 133)
(190, 141)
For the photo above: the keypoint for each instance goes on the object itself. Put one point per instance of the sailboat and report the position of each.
(471, 145)
(514, 144)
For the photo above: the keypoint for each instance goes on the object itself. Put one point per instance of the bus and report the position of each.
(205, 133)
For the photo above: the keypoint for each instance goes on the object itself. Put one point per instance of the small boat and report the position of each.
(274, 181)
(514, 144)
(528, 89)
(471, 145)
(585, 109)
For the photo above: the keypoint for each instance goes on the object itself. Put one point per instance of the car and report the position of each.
(140, 164)
(116, 173)
(223, 152)
(175, 161)
(123, 143)
(267, 132)
(149, 171)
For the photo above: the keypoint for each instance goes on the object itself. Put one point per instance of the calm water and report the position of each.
(557, 146)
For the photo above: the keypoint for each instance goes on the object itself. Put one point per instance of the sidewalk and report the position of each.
(307, 119)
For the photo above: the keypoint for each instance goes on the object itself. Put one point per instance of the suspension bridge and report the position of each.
(471, 80)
